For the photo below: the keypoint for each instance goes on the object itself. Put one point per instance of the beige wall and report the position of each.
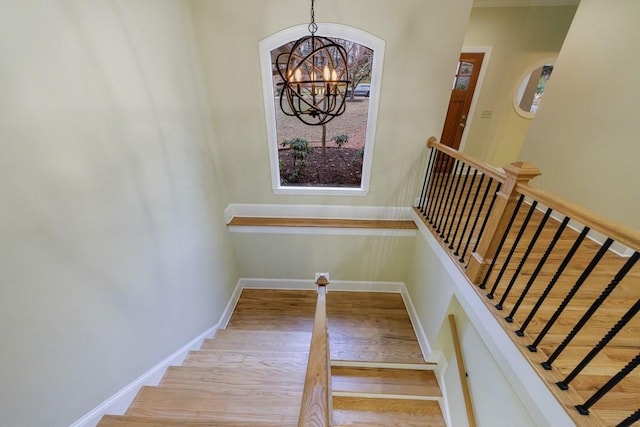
(585, 136)
(422, 43)
(519, 37)
(113, 249)
(346, 257)
(432, 291)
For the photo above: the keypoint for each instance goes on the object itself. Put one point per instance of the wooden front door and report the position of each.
(464, 84)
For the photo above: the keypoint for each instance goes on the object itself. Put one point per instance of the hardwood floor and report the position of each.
(252, 373)
(363, 326)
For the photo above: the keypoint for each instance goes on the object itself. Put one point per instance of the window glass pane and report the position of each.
(542, 83)
(329, 155)
(466, 68)
(462, 83)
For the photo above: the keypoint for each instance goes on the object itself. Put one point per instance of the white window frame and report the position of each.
(326, 30)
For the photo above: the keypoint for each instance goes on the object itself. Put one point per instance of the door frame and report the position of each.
(476, 93)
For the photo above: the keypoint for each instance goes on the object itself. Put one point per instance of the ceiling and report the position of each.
(523, 3)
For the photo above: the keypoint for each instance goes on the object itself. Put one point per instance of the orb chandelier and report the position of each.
(314, 78)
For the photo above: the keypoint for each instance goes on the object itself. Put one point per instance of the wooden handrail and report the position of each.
(462, 371)
(514, 178)
(485, 168)
(618, 232)
(316, 397)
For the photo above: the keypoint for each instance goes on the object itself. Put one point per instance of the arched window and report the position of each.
(336, 158)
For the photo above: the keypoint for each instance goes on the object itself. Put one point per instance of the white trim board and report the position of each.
(308, 284)
(476, 93)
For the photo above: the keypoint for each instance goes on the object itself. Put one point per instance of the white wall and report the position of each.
(584, 138)
(423, 41)
(113, 248)
(519, 37)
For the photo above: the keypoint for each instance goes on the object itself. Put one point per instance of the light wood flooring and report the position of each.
(252, 373)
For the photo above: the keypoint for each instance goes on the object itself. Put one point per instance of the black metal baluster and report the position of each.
(628, 422)
(475, 221)
(591, 311)
(491, 293)
(533, 277)
(433, 177)
(524, 259)
(444, 234)
(487, 215)
(502, 240)
(556, 276)
(433, 191)
(427, 179)
(584, 408)
(449, 185)
(437, 167)
(455, 212)
(464, 208)
(587, 271)
(564, 384)
(473, 204)
(437, 201)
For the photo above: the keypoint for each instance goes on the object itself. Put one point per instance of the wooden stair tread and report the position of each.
(392, 224)
(228, 380)
(355, 411)
(278, 341)
(231, 359)
(135, 421)
(372, 353)
(421, 383)
(226, 404)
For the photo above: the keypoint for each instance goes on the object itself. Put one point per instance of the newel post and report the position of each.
(506, 199)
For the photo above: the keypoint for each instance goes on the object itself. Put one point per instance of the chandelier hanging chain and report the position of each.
(314, 77)
(313, 27)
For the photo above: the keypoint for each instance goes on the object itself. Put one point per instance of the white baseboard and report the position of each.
(335, 285)
(231, 305)
(120, 401)
(438, 358)
(425, 347)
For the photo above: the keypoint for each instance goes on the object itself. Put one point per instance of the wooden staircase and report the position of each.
(383, 396)
(253, 372)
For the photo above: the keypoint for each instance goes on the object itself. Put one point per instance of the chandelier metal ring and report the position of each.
(314, 78)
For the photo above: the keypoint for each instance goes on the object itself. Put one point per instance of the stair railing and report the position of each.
(315, 410)
(530, 249)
